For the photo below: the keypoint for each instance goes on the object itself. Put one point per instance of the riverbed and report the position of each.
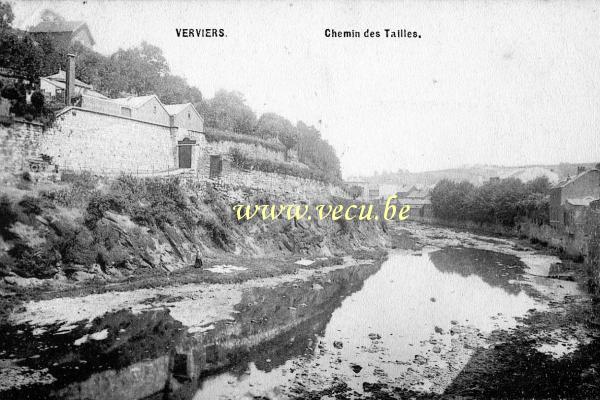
(425, 322)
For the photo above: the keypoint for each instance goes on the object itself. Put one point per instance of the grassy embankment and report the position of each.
(126, 233)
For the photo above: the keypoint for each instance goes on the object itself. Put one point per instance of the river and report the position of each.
(413, 324)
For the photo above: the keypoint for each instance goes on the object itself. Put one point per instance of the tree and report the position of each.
(355, 191)
(316, 152)
(228, 111)
(136, 70)
(6, 15)
(20, 53)
(497, 202)
(271, 125)
(172, 89)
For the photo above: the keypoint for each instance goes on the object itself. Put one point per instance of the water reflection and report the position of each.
(494, 268)
(406, 302)
(150, 352)
(381, 316)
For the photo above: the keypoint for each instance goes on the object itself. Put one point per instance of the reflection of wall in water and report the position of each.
(153, 354)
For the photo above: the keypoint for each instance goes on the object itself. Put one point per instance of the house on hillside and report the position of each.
(53, 87)
(569, 197)
(62, 32)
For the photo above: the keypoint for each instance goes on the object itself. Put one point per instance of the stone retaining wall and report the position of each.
(18, 143)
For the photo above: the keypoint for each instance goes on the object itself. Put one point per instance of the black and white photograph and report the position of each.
(301, 199)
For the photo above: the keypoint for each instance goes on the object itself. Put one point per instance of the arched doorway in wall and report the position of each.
(184, 148)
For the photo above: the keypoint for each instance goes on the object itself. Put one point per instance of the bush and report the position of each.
(100, 203)
(29, 263)
(217, 232)
(8, 216)
(34, 205)
(243, 161)
(80, 180)
(497, 202)
(150, 202)
(81, 188)
(214, 135)
(37, 101)
(11, 93)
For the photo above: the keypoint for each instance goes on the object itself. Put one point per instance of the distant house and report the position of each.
(62, 32)
(570, 195)
(53, 87)
(419, 201)
(403, 190)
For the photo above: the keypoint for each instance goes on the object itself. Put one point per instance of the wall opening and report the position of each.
(185, 152)
(216, 166)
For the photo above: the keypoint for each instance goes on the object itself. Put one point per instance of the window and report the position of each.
(189, 116)
(216, 167)
(126, 111)
(154, 109)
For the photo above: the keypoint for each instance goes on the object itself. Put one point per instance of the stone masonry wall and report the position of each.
(19, 142)
(88, 140)
(290, 188)
(593, 257)
(255, 151)
(572, 244)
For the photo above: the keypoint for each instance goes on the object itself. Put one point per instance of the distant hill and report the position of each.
(478, 174)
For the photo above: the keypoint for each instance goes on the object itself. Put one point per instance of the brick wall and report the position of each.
(18, 142)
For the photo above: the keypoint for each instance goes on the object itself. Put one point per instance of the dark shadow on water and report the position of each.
(515, 369)
(131, 338)
(496, 269)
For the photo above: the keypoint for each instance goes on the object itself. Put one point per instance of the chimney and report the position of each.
(70, 79)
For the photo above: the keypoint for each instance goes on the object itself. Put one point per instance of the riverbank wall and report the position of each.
(573, 244)
(581, 244)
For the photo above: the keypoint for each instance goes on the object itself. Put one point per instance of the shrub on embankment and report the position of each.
(92, 224)
(67, 225)
(503, 202)
(246, 162)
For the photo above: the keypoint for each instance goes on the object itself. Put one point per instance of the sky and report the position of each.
(493, 82)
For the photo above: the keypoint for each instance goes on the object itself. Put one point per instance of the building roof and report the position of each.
(61, 76)
(51, 22)
(135, 101)
(414, 201)
(585, 201)
(418, 194)
(570, 180)
(174, 109)
(86, 89)
(57, 26)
